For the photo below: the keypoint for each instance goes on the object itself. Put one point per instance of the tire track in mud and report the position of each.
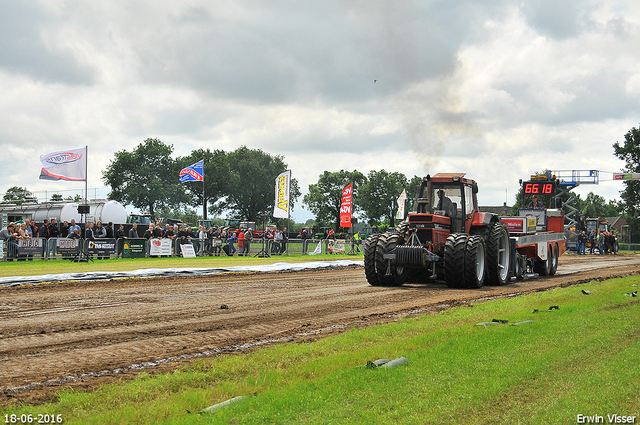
(75, 329)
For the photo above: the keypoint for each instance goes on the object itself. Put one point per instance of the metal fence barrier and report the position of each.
(69, 249)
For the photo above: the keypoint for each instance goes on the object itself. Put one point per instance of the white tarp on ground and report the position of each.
(187, 271)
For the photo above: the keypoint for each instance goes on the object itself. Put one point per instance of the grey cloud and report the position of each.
(558, 19)
(305, 52)
(23, 49)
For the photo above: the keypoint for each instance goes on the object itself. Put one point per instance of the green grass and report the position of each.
(40, 267)
(580, 359)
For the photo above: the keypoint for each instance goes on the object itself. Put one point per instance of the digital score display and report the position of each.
(539, 188)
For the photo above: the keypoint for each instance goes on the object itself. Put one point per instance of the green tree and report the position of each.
(378, 196)
(252, 177)
(146, 178)
(216, 180)
(18, 195)
(412, 191)
(629, 151)
(324, 198)
(56, 197)
(596, 206)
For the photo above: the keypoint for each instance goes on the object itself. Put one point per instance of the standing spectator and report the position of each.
(53, 238)
(64, 231)
(275, 246)
(109, 229)
(10, 238)
(217, 242)
(607, 240)
(241, 243)
(582, 242)
(100, 232)
(202, 238)
(148, 234)
(592, 241)
(120, 234)
(285, 241)
(231, 249)
(304, 235)
(43, 232)
(33, 228)
(184, 236)
(156, 232)
(167, 232)
(25, 233)
(133, 232)
(88, 232)
(75, 234)
(277, 242)
(73, 226)
(248, 237)
(601, 243)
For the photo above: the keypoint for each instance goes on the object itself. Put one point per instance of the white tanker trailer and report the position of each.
(99, 209)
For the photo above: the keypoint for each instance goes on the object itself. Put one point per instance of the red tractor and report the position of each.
(447, 238)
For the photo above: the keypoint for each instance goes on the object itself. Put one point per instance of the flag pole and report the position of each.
(86, 174)
(204, 200)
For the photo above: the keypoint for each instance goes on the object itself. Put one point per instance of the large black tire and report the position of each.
(454, 250)
(519, 267)
(474, 262)
(370, 260)
(386, 242)
(543, 267)
(498, 255)
(554, 263)
(403, 228)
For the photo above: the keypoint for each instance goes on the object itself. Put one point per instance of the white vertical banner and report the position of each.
(401, 202)
(281, 205)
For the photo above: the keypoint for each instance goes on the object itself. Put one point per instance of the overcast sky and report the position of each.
(496, 89)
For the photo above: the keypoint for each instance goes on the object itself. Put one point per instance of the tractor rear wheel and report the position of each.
(370, 260)
(386, 243)
(454, 250)
(474, 262)
(498, 255)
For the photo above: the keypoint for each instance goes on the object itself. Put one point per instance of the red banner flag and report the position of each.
(345, 206)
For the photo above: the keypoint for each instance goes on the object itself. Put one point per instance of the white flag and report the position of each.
(401, 201)
(281, 206)
(64, 165)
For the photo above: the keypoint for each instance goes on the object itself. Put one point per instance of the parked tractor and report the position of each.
(448, 239)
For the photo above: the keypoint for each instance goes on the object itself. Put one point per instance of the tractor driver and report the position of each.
(535, 204)
(445, 204)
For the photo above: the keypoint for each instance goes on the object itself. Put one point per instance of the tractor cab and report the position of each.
(448, 195)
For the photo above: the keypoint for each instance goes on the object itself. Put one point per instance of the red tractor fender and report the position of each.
(483, 219)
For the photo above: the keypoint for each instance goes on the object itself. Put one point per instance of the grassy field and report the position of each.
(40, 267)
(579, 359)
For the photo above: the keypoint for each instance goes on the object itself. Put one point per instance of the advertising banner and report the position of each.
(30, 247)
(102, 247)
(336, 247)
(160, 247)
(1, 249)
(281, 205)
(345, 206)
(134, 248)
(401, 202)
(67, 247)
(188, 251)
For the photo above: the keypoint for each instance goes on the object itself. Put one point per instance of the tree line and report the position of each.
(242, 182)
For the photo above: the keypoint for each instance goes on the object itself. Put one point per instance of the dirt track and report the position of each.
(53, 334)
